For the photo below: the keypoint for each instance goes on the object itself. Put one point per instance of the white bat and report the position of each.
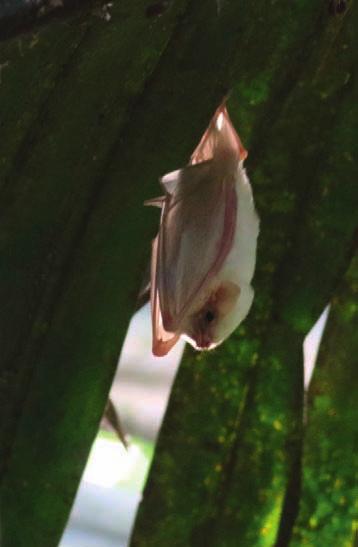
(203, 258)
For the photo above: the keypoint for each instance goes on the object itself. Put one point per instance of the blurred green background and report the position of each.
(97, 101)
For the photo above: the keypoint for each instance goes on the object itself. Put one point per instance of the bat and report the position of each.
(203, 258)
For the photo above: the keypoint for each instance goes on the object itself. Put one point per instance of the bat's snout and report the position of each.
(203, 341)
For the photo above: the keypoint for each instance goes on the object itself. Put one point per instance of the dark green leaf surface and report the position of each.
(329, 490)
(91, 114)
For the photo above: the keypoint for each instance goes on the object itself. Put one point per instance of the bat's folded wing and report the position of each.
(195, 236)
(163, 341)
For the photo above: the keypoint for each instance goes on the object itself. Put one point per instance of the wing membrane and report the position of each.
(196, 233)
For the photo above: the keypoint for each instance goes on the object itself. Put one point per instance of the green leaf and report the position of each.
(329, 489)
(227, 466)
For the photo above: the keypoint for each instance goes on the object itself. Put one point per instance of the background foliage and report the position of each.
(92, 112)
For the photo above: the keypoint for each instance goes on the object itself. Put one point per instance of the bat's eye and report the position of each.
(209, 316)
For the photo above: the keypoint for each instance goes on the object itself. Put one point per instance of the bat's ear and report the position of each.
(220, 134)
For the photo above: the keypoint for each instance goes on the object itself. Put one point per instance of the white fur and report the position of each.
(239, 265)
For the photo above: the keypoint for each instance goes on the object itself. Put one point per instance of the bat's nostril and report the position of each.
(203, 341)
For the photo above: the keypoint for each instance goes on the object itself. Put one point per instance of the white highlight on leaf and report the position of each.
(311, 346)
(110, 462)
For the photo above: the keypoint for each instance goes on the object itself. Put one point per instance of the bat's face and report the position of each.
(215, 319)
